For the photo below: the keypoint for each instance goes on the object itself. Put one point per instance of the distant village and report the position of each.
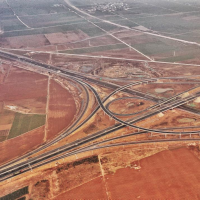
(109, 7)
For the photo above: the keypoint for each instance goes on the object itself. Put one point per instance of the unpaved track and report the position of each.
(145, 32)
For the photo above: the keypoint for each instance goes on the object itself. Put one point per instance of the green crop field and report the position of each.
(95, 49)
(86, 27)
(12, 23)
(52, 19)
(153, 48)
(24, 123)
(15, 195)
(24, 7)
(178, 58)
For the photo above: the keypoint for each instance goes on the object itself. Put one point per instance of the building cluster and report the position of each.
(109, 7)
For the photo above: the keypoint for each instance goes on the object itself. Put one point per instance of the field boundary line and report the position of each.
(47, 109)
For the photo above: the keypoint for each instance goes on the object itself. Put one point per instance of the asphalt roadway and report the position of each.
(83, 80)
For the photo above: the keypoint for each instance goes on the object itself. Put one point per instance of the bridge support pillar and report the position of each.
(165, 135)
(151, 134)
(190, 135)
(180, 136)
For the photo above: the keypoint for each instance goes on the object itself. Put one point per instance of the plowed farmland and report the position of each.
(62, 109)
(28, 115)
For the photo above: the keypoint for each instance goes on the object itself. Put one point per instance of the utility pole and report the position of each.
(1, 29)
(130, 47)
(30, 167)
(1, 68)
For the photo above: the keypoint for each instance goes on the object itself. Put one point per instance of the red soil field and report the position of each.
(62, 109)
(104, 40)
(169, 174)
(24, 88)
(24, 41)
(20, 145)
(22, 84)
(69, 36)
(94, 189)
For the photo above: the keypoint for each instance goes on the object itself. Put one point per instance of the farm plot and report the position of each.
(160, 48)
(24, 123)
(172, 5)
(141, 8)
(69, 36)
(5, 13)
(155, 177)
(6, 120)
(86, 27)
(25, 41)
(193, 3)
(18, 146)
(192, 36)
(168, 70)
(106, 26)
(52, 20)
(19, 102)
(11, 24)
(121, 53)
(95, 49)
(174, 24)
(96, 185)
(3, 4)
(23, 113)
(36, 7)
(87, 42)
(62, 114)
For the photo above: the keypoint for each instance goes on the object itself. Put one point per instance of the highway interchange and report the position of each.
(14, 167)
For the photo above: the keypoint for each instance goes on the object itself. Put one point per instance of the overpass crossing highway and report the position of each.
(83, 80)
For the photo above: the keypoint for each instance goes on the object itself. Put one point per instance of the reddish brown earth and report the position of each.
(24, 41)
(22, 84)
(168, 70)
(27, 89)
(143, 173)
(62, 109)
(129, 106)
(167, 175)
(104, 40)
(18, 146)
(69, 36)
(43, 48)
(94, 189)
